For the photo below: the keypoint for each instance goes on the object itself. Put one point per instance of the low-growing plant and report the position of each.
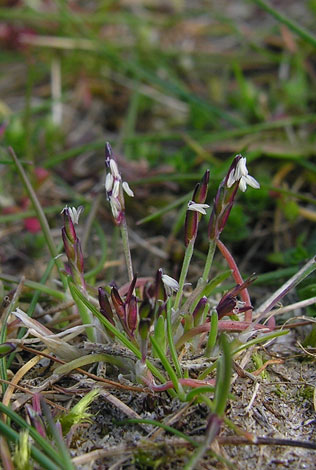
(160, 319)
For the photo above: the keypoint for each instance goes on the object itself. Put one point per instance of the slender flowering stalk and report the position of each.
(237, 177)
(72, 244)
(75, 265)
(115, 188)
(196, 208)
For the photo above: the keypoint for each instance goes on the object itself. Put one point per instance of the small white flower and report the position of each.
(239, 305)
(127, 189)
(116, 189)
(114, 169)
(115, 207)
(74, 213)
(194, 206)
(250, 180)
(109, 180)
(171, 284)
(241, 174)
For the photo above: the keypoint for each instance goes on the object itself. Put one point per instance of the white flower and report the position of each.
(171, 284)
(127, 189)
(74, 213)
(114, 169)
(194, 206)
(240, 173)
(116, 189)
(109, 180)
(115, 207)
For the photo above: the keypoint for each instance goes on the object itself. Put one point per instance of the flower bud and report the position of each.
(118, 304)
(132, 315)
(69, 226)
(105, 307)
(199, 310)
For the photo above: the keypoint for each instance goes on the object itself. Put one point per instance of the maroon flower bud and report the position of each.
(190, 226)
(132, 315)
(118, 304)
(160, 291)
(105, 307)
(199, 310)
(131, 289)
(196, 208)
(229, 304)
(200, 192)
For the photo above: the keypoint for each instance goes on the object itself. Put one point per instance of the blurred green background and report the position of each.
(176, 87)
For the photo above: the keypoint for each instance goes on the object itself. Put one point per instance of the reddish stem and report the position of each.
(193, 383)
(223, 325)
(237, 276)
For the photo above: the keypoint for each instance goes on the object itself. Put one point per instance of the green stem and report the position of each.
(126, 249)
(223, 378)
(184, 271)
(209, 260)
(172, 347)
(173, 376)
(299, 30)
(41, 216)
(35, 285)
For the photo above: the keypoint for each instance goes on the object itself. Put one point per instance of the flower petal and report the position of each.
(170, 283)
(127, 189)
(109, 182)
(194, 206)
(114, 169)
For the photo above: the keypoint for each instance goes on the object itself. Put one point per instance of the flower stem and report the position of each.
(184, 271)
(237, 276)
(126, 249)
(209, 259)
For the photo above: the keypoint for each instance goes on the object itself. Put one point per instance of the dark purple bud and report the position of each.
(199, 310)
(105, 307)
(160, 292)
(192, 218)
(118, 304)
(200, 192)
(131, 289)
(132, 315)
(229, 304)
(190, 226)
(226, 305)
